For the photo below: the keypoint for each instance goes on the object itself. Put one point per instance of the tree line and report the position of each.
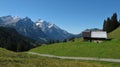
(111, 23)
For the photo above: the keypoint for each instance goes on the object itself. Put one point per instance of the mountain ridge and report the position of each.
(53, 31)
(40, 30)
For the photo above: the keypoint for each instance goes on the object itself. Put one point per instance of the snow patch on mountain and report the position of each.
(53, 31)
(39, 30)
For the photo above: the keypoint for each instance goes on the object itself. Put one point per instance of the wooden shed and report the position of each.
(96, 36)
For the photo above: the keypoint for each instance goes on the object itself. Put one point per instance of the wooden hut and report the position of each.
(96, 36)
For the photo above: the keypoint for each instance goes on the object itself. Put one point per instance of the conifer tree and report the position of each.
(111, 23)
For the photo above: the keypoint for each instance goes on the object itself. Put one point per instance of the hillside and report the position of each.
(108, 49)
(12, 59)
(11, 40)
(115, 34)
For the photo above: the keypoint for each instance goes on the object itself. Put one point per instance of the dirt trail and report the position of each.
(76, 58)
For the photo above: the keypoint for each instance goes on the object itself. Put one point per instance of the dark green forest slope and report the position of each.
(11, 40)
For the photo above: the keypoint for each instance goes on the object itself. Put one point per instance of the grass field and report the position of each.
(115, 34)
(108, 49)
(12, 59)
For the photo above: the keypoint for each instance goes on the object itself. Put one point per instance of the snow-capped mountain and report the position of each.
(53, 31)
(39, 30)
(25, 26)
(9, 20)
(28, 28)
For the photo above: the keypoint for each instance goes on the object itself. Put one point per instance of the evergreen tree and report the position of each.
(114, 21)
(72, 39)
(57, 41)
(105, 25)
(108, 25)
(111, 23)
(65, 40)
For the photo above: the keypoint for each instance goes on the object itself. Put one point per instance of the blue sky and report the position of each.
(72, 15)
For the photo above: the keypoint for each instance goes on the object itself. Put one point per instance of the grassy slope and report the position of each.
(108, 49)
(115, 34)
(12, 59)
(78, 48)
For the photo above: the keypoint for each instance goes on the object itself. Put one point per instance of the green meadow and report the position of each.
(115, 34)
(79, 48)
(107, 49)
(13, 59)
